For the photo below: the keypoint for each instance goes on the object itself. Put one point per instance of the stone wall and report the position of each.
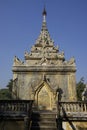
(28, 82)
(11, 125)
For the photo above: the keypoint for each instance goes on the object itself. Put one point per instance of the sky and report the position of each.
(20, 25)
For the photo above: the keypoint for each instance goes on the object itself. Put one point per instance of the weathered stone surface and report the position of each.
(11, 125)
(43, 72)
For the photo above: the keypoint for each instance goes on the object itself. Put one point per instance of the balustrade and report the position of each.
(15, 106)
(73, 110)
(73, 106)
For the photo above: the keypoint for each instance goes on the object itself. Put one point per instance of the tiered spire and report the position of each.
(44, 52)
(44, 37)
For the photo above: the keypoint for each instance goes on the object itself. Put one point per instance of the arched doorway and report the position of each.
(44, 98)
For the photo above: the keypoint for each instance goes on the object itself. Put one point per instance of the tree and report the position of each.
(9, 85)
(80, 88)
(6, 93)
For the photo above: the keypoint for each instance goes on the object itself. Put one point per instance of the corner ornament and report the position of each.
(71, 61)
(17, 61)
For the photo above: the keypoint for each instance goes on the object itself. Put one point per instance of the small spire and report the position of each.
(44, 15)
(44, 12)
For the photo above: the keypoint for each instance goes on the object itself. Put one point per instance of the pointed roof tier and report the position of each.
(44, 49)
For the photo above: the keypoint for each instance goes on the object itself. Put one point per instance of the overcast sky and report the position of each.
(20, 25)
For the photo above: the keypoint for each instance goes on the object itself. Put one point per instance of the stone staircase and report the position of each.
(43, 120)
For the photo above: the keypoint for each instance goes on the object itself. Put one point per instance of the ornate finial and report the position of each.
(44, 15)
(44, 12)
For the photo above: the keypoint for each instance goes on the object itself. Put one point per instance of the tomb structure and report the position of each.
(44, 73)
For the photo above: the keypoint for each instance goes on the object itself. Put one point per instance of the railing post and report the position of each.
(26, 123)
(59, 119)
(59, 123)
(27, 119)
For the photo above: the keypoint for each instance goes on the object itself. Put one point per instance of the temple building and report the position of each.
(44, 73)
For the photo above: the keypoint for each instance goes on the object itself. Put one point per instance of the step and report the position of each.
(44, 116)
(43, 128)
(44, 123)
(43, 120)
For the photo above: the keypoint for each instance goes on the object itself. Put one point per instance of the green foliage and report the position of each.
(9, 85)
(5, 94)
(80, 88)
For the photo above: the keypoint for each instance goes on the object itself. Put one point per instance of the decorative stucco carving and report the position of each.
(71, 61)
(17, 62)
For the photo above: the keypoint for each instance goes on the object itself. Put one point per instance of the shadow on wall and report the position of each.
(11, 125)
